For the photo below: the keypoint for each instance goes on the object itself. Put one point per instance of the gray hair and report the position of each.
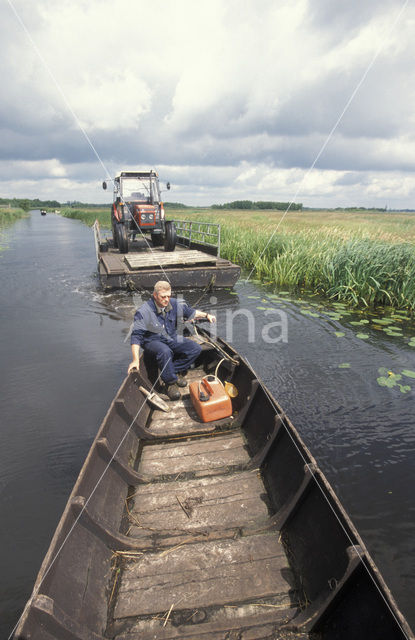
(162, 285)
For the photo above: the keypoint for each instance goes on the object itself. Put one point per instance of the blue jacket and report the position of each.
(150, 325)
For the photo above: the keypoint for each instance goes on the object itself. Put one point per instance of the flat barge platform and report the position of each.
(195, 263)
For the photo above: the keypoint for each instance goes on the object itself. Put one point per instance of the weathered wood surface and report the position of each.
(232, 622)
(183, 419)
(213, 502)
(113, 263)
(153, 258)
(214, 453)
(203, 575)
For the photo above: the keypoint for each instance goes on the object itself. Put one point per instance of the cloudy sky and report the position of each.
(228, 99)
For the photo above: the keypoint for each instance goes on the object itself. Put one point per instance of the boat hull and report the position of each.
(181, 529)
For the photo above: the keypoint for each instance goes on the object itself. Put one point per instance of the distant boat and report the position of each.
(42, 212)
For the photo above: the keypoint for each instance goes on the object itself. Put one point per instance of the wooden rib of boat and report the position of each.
(224, 530)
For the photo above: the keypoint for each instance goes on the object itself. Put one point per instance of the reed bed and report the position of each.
(363, 260)
(7, 216)
(88, 216)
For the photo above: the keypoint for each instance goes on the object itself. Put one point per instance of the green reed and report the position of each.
(342, 264)
(88, 216)
(7, 216)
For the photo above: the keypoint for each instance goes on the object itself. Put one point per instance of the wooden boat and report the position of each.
(181, 529)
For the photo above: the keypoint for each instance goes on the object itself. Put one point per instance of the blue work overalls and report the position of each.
(156, 333)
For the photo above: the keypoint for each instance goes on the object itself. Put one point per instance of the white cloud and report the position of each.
(211, 91)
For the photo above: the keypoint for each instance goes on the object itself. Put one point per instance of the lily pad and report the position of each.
(362, 336)
(408, 373)
(383, 371)
(404, 388)
(261, 308)
(306, 312)
(383, 321)
(344, 365)
(339, 334)
(386, 381)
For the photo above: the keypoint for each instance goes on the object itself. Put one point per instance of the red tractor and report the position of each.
(137, 209)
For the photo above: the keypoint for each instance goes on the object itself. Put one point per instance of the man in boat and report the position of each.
(155, 331)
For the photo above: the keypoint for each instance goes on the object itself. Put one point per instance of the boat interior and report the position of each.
(178, 528)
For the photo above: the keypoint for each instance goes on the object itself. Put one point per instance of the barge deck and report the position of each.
(193, 264)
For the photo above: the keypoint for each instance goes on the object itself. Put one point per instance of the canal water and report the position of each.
(346, 380)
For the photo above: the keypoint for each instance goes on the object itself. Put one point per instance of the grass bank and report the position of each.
(364, 258)
(7, 216)
(88, 216)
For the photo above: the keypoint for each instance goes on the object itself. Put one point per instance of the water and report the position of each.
(63, 355)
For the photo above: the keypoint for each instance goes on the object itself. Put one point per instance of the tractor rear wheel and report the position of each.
(170, 236)
(121, 237)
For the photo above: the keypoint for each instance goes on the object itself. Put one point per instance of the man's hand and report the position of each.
(199, 315)
(134, 366)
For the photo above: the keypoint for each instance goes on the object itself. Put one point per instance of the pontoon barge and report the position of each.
(195, 263)
(226, 530)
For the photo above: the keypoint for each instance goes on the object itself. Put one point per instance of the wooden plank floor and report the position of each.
(203, 575)
(201, 455)
(153, 258)
(216, 502)
(213, 567)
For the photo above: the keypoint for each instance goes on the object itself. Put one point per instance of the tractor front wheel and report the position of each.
(170, 236)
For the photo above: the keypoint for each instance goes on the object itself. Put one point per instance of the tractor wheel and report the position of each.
(170, 236)
(114, 235)
(121, 236)
(157, 239)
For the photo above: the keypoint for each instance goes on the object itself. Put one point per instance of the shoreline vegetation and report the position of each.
(10, 215)
(363, 257)
(7, 217)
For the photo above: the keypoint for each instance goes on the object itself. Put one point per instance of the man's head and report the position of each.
(162, 293)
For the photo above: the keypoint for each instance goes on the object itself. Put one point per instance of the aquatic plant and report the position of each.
(340, 263)
(8, 216)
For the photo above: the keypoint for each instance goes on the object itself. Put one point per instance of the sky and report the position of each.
(304, 100)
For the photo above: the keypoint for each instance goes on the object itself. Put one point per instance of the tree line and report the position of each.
(261, 204)
(26, 204)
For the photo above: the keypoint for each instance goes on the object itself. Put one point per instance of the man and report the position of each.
(155, 331)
